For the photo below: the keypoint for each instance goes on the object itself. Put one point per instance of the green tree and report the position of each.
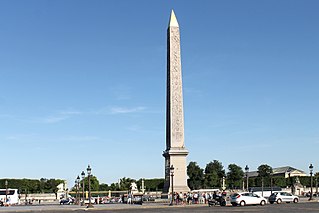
(33, 186)
(94, 183)
(264, 172)
(114, 187)
(104, 187)
(125, 183)
(214, 172)
(279, 181)
(316, 179)
(154, 184)
(234, 176)
(196, 176)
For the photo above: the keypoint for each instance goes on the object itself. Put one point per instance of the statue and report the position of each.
(133, 187)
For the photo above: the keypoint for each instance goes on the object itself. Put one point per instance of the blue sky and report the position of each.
(83, 82)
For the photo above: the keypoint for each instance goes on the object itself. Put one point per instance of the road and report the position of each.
(158, 208)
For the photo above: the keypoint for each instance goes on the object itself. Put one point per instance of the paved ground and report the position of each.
(302, 206)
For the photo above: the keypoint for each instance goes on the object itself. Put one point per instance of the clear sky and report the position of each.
(83, 82)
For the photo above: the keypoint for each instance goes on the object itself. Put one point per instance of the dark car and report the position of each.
(66, 201)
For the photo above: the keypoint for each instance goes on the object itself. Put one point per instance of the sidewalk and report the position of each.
(58, 208)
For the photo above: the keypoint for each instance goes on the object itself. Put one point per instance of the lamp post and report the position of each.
(83, 176)
(317, 186)
(271, 182)
(89, 177)
(290, 181)
(6, 184)
(311, 170)
(172, 176)
(247, 170)
(78, 189)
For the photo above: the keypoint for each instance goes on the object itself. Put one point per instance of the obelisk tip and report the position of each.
(173, 21)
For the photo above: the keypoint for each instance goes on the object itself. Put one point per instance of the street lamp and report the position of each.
(311, 170)
(78, 189)
(6, 184)
(89, 177)
(83, 176)
(271, 181)
(172, 176)
(247, 170)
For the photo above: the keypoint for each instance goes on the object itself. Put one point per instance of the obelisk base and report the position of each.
(177, 158)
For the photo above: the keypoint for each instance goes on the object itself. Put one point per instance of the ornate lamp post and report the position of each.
(317, 186)
(311, 170)
(271, 182)
(83, 198)
(172, 176)
(247, 170)
(78, 189)
(6, 184)
(89, 177)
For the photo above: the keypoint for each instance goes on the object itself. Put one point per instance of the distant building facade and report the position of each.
(286, 172)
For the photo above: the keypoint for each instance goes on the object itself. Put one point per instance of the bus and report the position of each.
(11, 194)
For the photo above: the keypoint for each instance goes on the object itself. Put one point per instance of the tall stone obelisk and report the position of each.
(175, 153)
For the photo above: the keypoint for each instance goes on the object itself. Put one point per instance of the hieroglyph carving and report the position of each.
(177, 117)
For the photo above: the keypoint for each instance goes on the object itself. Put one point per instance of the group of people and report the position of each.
(4, 202)
(196, 197)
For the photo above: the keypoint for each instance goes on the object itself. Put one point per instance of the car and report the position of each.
(280, 197)
(88, 201)
(247, 198)
(66, 201)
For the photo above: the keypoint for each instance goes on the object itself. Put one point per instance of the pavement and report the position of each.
(106, 207)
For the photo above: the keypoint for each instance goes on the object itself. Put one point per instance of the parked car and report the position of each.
(247, 198)
(66, 201)
(88, 201)
(280, 197)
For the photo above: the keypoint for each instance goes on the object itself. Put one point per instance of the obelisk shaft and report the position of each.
(175, 116)
(175, 153)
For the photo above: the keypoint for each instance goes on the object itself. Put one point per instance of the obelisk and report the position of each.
(175, 153)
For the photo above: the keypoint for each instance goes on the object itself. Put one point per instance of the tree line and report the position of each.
(214, 173)
(210, 177)
(32, 186)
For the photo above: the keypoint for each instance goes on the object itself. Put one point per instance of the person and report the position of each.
(129, 198)
(214, 195)
(189, 198)
(195, 198)
(176, 197)
(224, 193)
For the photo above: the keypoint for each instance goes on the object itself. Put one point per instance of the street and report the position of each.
(158, 208)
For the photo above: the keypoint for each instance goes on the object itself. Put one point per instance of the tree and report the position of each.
(234, 176)
(214, 172)
(154, 184)
(94, 183)
(125, 183)
(33, 186)
(196, 176)
(264, 171)
(114, 187)
(104, 187)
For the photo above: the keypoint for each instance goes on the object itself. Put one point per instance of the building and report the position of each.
(286, 172)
